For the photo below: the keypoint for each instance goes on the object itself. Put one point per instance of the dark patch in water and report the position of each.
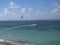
(54, 43)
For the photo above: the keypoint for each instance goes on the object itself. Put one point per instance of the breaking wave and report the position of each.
(31, 25)
(7, 42)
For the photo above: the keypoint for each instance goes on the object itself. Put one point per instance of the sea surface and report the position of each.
(40, 32)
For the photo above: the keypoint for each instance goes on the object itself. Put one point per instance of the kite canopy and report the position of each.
(21, 17)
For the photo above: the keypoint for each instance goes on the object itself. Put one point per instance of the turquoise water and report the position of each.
(38, 32)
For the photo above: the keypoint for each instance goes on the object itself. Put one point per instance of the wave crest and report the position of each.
(30, 25)
(6, 42)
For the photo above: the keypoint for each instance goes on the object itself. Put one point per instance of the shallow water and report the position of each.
(36, 32)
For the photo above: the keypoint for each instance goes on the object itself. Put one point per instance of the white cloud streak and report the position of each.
(13, 5)
(56, 7)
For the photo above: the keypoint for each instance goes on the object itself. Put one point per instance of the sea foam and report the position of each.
(7, 42)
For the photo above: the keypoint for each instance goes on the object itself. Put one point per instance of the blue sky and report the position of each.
(30, 9)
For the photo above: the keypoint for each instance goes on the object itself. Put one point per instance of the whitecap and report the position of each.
(30, 25)
(1, 40)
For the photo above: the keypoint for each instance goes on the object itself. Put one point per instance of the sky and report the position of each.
(29, 10)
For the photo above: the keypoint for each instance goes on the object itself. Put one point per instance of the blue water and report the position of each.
(38, 32)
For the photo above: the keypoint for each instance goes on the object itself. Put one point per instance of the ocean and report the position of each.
(40, 32)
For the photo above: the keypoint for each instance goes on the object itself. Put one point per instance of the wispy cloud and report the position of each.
(6, 11)
(56, 8)
(13, 5)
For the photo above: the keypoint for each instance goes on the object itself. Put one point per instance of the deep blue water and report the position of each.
(31, 31)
